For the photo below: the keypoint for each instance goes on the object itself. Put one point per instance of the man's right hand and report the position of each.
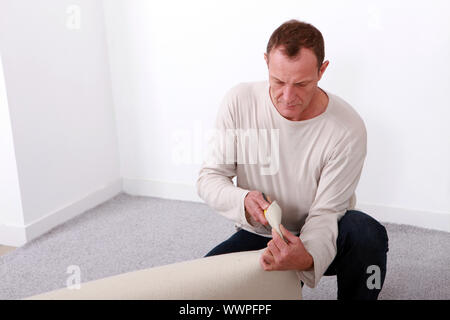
(254, 207)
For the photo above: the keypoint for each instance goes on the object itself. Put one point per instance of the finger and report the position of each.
(273, 249)
(268, 257)
(257, 214)
(261, 217)
(264, 206)
(262, 202)
(280, 243)
(264, 220)
(288, 235)
(264, 264)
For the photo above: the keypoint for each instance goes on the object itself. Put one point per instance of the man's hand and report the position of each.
(254, 207)
(289, 255)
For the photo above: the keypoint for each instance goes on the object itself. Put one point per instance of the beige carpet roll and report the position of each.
(223, 277)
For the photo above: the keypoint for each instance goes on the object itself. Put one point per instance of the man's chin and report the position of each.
(289, 114)
(291, 110)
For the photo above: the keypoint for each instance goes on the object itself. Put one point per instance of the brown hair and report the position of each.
(293, 35)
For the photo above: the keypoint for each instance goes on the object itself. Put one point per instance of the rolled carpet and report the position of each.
(233, 276)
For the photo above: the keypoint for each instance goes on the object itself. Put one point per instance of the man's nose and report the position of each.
(289, 94)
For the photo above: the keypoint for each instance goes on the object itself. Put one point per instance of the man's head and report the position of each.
(294, 57)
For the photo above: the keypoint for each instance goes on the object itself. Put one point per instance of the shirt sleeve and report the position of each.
(338, 181)
(214, 183)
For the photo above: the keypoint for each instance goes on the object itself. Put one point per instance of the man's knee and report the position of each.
(364, 231)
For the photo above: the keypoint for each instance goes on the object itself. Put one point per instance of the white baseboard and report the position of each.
(16, 236)
(419, 218)
(177, 191)
(12, 235)
(160, 189)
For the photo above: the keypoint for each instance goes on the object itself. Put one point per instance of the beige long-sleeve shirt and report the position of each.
(310, 167)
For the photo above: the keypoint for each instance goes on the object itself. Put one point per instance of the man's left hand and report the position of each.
(289, 255)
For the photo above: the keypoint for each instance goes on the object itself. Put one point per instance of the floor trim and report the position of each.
(17, 235)
(179, 191)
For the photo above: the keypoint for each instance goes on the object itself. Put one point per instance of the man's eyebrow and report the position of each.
(303, 81)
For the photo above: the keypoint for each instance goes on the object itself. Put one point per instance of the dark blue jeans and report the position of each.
(360, 262)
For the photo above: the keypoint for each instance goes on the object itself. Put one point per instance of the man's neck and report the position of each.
(318, 105)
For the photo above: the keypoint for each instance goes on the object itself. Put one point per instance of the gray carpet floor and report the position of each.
(131, 233)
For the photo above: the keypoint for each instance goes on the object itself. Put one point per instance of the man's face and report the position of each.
(293, 82)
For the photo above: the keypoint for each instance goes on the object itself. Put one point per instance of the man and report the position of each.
(318, 144)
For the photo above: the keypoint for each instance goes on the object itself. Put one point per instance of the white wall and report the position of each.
(170, 65)
(60, 106)
(10, 199)
(172, 62)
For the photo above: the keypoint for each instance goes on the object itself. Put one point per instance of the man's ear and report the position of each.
(267, 59)
(323, 68)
